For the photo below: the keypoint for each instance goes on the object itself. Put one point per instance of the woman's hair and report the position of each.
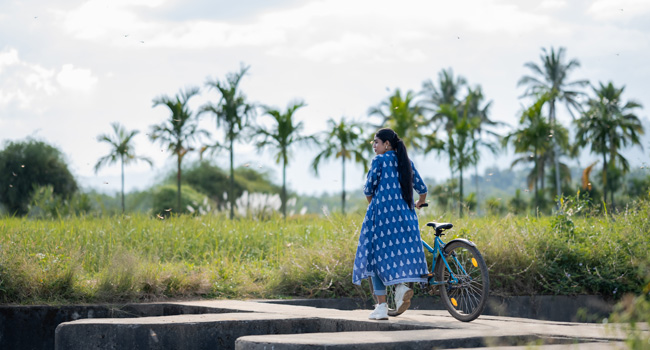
(403, 163)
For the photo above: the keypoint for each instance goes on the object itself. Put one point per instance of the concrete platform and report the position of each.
(258, 325)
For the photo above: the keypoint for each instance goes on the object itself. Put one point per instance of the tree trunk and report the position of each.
(178, 183)
(540, 173)
(343, 182)
(605, 179)
(231, 193)
(536, 181)
(460, 193)
(451, 195)
(478, 211)
(556, 156)
(122, 161)
(283, 195)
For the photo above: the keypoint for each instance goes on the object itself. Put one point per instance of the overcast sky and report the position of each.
(69, 68)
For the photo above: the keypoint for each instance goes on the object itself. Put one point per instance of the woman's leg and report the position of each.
(379, 289)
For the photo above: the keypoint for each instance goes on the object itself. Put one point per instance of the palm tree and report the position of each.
(404, 116)
(442, 101)
(534, 139)
(531, 139)
(179, 131)
(342, 140)
(445, 93)
(551, 79)
(480, 123)
(281, 135)
(460, 145)
(233, 112)
(608, 126)
(122, 149)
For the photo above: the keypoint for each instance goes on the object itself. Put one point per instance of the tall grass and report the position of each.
(139, 258)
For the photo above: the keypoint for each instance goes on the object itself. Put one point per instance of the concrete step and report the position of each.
(256, 325)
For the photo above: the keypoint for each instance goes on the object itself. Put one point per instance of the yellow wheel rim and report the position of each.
(453, 301)
(474, 262)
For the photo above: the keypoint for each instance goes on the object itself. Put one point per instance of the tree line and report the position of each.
(447, 117)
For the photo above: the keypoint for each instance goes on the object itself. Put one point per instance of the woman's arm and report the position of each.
(372, 179)
(369, 198)
(419, 186)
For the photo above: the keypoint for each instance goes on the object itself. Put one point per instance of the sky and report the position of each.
(70, 68)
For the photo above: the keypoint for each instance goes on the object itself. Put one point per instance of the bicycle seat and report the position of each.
(439, 227)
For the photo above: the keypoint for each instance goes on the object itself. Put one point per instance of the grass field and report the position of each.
(139, 258)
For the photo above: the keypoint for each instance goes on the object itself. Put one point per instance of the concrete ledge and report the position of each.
(411, 340)
(275, 326)
(32, 327)
(207, 331)
(580, 308)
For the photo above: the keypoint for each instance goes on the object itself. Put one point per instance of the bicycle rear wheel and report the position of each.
(465, 298)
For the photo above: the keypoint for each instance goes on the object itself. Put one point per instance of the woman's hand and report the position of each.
(421, 201)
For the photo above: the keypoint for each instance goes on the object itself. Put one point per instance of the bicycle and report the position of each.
(459, 272)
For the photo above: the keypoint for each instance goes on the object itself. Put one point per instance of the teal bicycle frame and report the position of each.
(439, 250)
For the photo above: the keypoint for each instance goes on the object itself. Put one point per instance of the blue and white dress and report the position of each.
(389, 244)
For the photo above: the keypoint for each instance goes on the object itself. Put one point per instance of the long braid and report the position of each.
(403, 163)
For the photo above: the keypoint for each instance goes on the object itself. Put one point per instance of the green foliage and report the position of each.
(637, 187)
(214, 182)
(494, 206)
(105, 204)
(46, 204)
(470, 201)
(635, 310)
(192, 201)
(26, 165)
(517, 205)
(444, 194)
(210, 180)
(140, 257)
(565, 255)
(254, 181)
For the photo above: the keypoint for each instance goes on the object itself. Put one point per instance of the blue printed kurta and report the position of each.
(389, 243)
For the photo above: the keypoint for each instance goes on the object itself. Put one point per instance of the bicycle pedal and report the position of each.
(428, 275)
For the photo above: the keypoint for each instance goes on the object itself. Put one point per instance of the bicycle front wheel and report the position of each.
(466, 282)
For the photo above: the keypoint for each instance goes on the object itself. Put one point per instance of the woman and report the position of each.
(390, 250)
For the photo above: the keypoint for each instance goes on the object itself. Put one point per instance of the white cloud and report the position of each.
(375, 31)
(202, 34)
(619, 9)
(21, 82)
(8, 58)
(76, 78)
(552, 4)
(107, 18)
(329, 31)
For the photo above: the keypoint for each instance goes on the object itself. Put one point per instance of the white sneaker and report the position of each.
(380, 313)
(403, 295)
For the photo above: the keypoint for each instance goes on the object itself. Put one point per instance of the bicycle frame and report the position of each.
(438, 249)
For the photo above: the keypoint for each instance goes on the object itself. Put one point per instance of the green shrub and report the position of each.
(30, 164)
(165, 201)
